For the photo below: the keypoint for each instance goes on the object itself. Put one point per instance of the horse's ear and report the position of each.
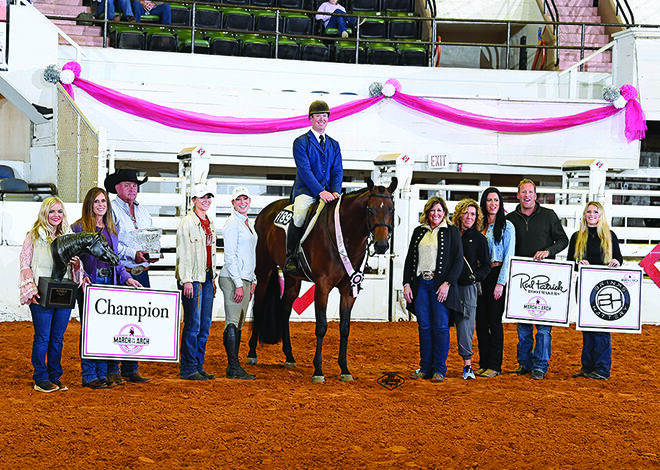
(393, 185)
(370, 183)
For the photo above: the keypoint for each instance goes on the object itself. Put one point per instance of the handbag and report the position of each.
(477, 283)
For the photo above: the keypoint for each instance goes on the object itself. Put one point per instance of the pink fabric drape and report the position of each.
(193, 121)
(189, 120)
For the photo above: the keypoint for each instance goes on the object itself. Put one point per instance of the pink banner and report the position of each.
(189, 120)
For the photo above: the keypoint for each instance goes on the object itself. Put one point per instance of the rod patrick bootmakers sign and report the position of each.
(610, 300)
(538, 292)
(125, 323)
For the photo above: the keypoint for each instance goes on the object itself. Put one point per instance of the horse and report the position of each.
(362, 214)
(65, 247)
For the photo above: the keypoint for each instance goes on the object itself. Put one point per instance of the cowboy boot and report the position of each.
(234, 369)
(292, 240)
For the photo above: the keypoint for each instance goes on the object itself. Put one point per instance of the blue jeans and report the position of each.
(197, 313)
(597, 352)
(93, 369)
(124, 7)
(129, 367)
(530, 356)
(163, 11)
(433, 326)
(49, 327)
(340, 22)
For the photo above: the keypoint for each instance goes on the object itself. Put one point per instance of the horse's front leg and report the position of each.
(320, 306)
(345, 306)
(291, 291)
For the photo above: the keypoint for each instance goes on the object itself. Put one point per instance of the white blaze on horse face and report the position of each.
(55, 214)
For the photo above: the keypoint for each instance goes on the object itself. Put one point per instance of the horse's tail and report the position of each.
(267, 312)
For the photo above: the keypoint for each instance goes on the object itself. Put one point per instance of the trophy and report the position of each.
(57, 292)
(149, 240)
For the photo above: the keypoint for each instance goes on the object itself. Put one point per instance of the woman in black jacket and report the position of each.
(476, 254)
(433, 264)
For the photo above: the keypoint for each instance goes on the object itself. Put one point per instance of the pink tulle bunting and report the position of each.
(635, 119)
(75, 68)
(181, 119)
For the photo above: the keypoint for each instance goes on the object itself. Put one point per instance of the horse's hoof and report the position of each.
(290, 365)
(346, 377)
(317, 379)
(251, 361)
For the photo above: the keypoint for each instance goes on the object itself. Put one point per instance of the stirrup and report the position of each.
(291, 265)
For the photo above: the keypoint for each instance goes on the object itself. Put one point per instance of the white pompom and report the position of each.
(67, 77)
(620, 102)
(388, 90)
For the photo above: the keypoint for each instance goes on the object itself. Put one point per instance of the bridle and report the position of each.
(370, 213)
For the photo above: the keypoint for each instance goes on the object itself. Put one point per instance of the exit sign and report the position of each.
(438, 160)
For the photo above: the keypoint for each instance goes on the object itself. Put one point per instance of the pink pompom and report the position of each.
(395, 83)
(628, 92)
(74, 67)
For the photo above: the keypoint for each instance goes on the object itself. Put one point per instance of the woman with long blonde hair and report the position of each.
(49, 323)
(596, 244)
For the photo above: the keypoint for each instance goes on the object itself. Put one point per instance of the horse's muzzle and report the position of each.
(111, 258)
(381, 246)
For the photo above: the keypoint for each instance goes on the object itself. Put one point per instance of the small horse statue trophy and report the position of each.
(57, 292)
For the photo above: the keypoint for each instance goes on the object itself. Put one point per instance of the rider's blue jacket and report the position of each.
(317, 170)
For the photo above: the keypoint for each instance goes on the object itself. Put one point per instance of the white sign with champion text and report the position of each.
(124, 323)
(609, 300)
(538, 292)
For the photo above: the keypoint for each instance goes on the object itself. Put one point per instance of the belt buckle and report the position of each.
(137, 270)
(428, 275)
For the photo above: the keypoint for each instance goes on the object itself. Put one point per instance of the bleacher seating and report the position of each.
(387, 31)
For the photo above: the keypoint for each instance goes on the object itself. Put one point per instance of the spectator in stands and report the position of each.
(195, 273)
(433, 265)
(49, 323)
(147, 7)
(476, 266)
(501, 236)
(596, 244)
(539, 235)
(95, 210)
(339, 22)
(319, 175)
(133, 12)
(129, 217)
(114, 12)
(237, 278)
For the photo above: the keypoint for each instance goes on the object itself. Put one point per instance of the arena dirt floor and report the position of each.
(283, 420)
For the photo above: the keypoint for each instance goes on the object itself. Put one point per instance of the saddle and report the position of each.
(284, 220)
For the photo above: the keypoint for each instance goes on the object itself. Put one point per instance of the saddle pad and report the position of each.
(285, 216)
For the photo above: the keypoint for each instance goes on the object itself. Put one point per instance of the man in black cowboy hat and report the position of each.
(319, 175)
(129, 216)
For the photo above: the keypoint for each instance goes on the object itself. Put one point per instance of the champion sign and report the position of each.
(122, 323)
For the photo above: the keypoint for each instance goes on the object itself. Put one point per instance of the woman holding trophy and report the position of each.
(49, 324)
(97, 216)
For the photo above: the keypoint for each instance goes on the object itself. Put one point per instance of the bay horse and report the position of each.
(65, 247)
(363, 214)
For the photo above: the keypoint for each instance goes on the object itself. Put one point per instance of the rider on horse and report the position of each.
(319, 175)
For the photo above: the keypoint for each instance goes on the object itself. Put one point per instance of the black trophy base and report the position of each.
(57, 294)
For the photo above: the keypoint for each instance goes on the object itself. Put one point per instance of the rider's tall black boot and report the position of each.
(234, 369)
(292, 240)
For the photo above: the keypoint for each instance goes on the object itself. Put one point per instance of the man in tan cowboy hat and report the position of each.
(129, 216)
(319, 175)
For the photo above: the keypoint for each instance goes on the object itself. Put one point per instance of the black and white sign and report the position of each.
(124, 323)
(538, 292)
(609, 300)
